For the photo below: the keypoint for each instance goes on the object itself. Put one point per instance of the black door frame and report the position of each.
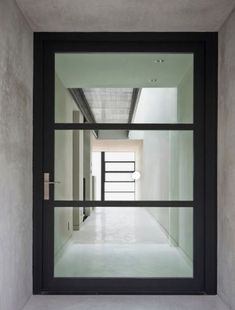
(202, 44)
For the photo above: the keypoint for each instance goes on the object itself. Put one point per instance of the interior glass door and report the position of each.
(124, 172)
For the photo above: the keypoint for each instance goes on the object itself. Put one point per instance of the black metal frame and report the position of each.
(204, 47)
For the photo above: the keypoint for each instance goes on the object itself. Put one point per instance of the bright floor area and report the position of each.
(122, 242)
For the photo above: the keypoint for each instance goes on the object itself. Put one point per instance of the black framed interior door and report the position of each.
(201, 132)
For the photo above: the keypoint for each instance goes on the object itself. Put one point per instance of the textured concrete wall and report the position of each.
(123, 15)
(16, 72)
(226, 163)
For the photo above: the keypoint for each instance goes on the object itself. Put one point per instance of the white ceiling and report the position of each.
(126, 15)
(89, 70)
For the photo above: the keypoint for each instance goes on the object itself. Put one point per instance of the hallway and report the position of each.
(122, 242)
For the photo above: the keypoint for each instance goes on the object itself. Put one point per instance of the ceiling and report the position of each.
(109, 105)
(133, 70)
(107, 80)
(126, 15)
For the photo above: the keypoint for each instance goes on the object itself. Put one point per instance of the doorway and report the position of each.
(125, 166)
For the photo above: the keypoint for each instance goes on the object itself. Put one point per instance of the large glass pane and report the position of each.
(104, 88)
(163, 164)
(119, 166)
(96, 175)
(123, 242)
(121, 177)
(119, 187)
(119, 156)
(66, 109)
(119, 196)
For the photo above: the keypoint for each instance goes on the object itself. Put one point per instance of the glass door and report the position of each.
(124, 171)
(119, 175)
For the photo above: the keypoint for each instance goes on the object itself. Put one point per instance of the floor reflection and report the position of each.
(121, 242)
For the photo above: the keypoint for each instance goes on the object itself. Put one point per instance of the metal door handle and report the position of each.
(47, 182)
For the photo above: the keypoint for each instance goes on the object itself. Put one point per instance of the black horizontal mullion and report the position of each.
(124, 203)
(120, 181)
(120, 192)
(106, 126)
(119, 171)
(119, 161)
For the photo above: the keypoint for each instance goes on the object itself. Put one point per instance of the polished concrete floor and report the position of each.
(122, 242)
(125, 303)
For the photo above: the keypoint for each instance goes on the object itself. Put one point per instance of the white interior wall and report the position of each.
(157, 105)
(96, 174)
(64, 107)
(183, 149)
(87, 168)
(168, 158)
(78, 143)
(185, 97)
(16, 82)
(87, 164)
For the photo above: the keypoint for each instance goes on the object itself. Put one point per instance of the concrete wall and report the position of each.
(226, 163)
(16, 74)
(132, 15)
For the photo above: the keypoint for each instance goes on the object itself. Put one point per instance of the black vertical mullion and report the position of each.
(198, 160)
(102, 175)
(48, 163)
(211, 111)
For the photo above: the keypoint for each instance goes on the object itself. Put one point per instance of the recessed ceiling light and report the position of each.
(158, 61)
(153, 80)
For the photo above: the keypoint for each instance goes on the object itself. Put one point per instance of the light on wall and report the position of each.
(136, 175)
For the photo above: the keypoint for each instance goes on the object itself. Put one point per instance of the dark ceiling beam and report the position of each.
(134, 102)
(83, 105)
(81, 101)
